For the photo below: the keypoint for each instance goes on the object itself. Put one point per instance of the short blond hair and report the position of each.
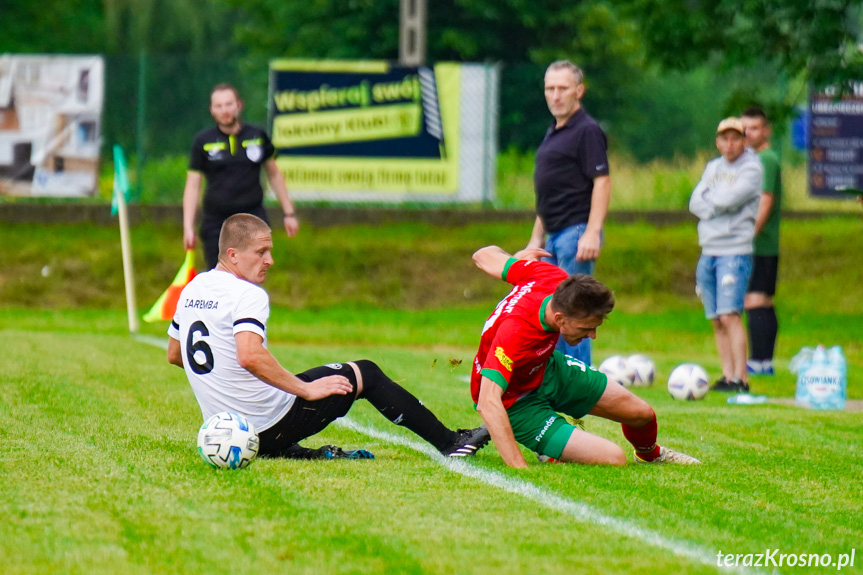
(239, 231)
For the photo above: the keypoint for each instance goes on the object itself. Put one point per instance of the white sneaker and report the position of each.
(667, 455)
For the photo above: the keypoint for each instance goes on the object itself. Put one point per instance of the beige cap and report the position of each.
(730, 124)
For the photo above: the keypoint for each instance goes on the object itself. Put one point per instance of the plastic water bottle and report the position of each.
(746, 399)
(821, 383)
(801, 359)
(836, 359)
(800, 363)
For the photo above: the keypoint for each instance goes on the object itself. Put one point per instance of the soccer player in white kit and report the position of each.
(218, 336)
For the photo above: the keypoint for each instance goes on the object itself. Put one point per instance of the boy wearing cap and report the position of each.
(726, 203)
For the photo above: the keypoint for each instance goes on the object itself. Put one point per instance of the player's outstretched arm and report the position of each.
(492, 260)
(254, 357)
(531, 254)
(490, 408)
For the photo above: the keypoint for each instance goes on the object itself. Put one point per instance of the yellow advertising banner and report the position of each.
(366, 126)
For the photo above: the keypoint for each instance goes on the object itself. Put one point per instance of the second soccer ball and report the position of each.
(688, 382)
(618, 370)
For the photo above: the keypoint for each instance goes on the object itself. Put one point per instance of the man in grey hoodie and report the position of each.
(726, 203)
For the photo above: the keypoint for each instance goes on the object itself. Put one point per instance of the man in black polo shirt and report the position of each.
(571, 182)
(230, 156)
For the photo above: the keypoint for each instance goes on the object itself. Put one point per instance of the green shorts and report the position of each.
(568, 387)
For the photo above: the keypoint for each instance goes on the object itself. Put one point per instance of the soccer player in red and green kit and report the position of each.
(521, 385)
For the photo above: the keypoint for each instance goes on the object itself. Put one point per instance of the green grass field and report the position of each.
(100, 475)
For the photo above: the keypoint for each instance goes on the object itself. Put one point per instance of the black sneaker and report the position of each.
(724, 385)
(740, 385)
(467, 442)
(297, 451)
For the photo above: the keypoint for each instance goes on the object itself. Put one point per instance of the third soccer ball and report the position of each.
(228, 440)
(687, 382)
(617, 369)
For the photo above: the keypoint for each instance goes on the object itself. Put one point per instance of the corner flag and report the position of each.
(166, 305)
(119, 208)
(121, 180)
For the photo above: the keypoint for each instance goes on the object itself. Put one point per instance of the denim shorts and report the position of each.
(721, 281)
(563, 245)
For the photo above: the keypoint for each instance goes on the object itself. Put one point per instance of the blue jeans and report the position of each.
(721, 282)
(563, 246)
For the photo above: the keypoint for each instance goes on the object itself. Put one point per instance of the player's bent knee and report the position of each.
(634, 410)
(643, 414)
(367, 366)
(370, 373)
(372, 378)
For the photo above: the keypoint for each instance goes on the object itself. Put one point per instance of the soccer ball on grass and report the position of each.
(688, 382)
(642, 368)
(228, 440)
(617, 370)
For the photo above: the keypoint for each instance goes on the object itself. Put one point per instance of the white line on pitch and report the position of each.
(158, 341)
(580, 511)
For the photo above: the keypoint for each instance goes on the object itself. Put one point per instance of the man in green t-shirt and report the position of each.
(763, 325)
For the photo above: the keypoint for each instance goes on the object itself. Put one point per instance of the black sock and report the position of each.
(762, 333)
(399, 406)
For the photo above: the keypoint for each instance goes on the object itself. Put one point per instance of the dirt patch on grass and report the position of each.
(854, 405)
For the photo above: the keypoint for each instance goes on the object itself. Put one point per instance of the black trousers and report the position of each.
(211, 228)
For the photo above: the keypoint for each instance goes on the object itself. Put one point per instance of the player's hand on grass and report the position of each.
(531, 254)
(588, 247)
(327, 386)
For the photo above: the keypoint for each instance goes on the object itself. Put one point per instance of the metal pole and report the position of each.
(140, 143)
(412, 32)
(128, 270)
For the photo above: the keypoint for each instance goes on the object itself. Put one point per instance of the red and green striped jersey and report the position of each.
(516, 342)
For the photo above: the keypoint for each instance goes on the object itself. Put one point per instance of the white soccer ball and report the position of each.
(228, 440)
(617, 370)
(688, 382)
(643, 368)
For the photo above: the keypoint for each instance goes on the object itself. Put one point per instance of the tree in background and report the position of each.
(72, 26)
(658, 72)
(803, 41)
(524, 36)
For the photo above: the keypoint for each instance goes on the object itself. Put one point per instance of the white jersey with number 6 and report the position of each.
(212, 308)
